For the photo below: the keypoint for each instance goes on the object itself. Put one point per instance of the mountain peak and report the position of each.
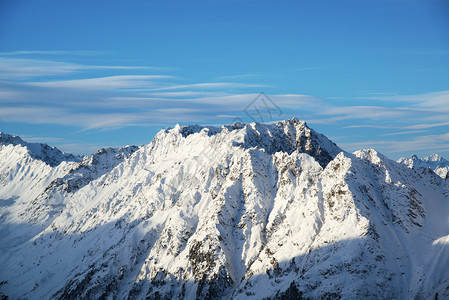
(6, 139)
(435, 158)
(282, 136)
(435, 162)
(48, 154)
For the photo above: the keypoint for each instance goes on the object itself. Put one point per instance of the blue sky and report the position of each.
(82, 75)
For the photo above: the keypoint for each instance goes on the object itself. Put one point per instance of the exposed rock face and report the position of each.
(243, 211)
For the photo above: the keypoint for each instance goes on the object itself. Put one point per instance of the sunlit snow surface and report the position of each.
(241, 211)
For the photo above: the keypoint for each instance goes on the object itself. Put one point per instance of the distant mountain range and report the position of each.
(434, 162)
(244, 211)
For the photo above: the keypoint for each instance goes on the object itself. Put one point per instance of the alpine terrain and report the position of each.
(245, 211)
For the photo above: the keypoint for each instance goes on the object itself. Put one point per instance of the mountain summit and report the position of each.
(48, 154)
(242, 211)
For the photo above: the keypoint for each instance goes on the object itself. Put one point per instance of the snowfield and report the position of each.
(245, 211)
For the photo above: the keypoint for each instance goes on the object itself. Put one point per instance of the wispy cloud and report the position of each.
(122, 81)
(51, 52)
(403, 132)
(426, 126)
(433, 142)
(182, 94)
(372, 112)
(18, 67)
(241, 76)
(38, 92)
(24, 67)
(436, 100)
(93, 120)
(370, 126)
(41, 139)
(210, 85)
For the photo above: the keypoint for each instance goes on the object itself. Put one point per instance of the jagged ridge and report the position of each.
(48, 154)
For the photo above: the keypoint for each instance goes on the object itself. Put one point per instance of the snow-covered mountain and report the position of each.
(242, 211)
(435, 162)
(50, 155)
(36, 179)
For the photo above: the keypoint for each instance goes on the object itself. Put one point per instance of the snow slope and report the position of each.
(242, 211)
(26, 169)
(35, 180)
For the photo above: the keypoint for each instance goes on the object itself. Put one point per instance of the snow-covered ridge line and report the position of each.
(48, 154)
(282, 136)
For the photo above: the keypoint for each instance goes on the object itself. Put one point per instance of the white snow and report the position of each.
(241, 211)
